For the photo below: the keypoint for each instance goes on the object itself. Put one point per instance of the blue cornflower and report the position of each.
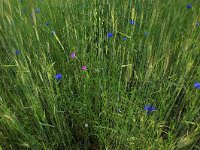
(109, 34)
(198, 24)
(149, 108)
(197, 85)
(124, 38)
(17, 52)
(132, 22)
(189, 6)
(58, 76)
(37, 10)
(47, 23)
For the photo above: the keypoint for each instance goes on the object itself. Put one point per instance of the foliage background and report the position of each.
(102, 107)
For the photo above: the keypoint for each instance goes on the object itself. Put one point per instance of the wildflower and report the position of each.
(124, 38)
(17, 52)
(197, 85)
(149, 108)
(189, 6)
(47, 24)
(37, 10)
(109, 34)
(132, 22)
(58, 76)
(146, 33)
(86, 125)
(198, 24)
(73, 55)
(84, 68)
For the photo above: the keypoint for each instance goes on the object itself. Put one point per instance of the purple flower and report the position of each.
(109, 34)
(197, 85)
(17, 52)
(198, 24)
(149, 108)
(37, 10)
(124, 38)
(132, 22)
(189, 6)
(58, 76)
(73, 55)
(84, 68)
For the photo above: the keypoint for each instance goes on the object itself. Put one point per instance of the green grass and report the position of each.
(39, 112)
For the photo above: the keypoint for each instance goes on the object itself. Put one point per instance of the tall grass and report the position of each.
(101, 107)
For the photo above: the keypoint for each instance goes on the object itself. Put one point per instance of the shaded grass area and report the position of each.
(152, 57)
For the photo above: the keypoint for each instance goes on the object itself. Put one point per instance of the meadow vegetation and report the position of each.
(100, 74)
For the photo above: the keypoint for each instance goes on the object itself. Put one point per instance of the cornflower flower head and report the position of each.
(198, 24)
(189, 6)
(83, 68)
(149, 108)
(58, 76)
(17, 52)
(37, 10)
(73, 55)
(110, 34)
(132, 22)
(197, 85)
(124, 38)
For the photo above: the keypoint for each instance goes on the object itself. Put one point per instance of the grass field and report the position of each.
(100, 74)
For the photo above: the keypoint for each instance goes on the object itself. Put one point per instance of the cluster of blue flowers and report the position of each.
(148, 108)
(132, 22)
